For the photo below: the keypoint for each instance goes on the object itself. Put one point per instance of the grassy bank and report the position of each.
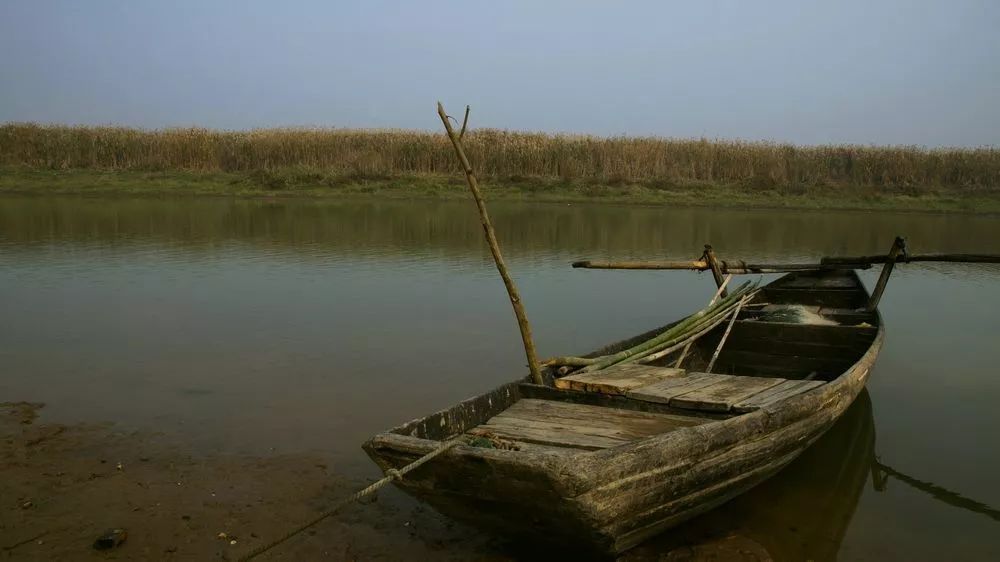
(333, 162)
(300, 183)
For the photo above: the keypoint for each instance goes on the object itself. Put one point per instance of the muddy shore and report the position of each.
(63, 485)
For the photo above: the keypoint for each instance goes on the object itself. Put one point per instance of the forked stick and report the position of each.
(491, 238)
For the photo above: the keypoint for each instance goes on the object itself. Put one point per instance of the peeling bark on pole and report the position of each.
(491, 239)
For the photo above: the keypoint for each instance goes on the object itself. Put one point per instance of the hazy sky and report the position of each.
(898, 72)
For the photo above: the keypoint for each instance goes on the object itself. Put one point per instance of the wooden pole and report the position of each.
(710, 303)
(736, 267)
(725, 335)
(719, 292)
(698, 265)
(465, 123)
(491, 239)
(951, 258)
(739, 267)
(713, 263)
(898, 247)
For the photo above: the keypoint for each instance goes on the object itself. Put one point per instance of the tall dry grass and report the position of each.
(499, 154)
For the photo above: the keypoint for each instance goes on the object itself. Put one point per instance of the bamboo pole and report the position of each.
(725, 335)
(675, 335)
(589, 264)
(898, 247)
(683, 327)
(950, 258)
(687, 348)
(491, 239)
(675, 343)
(738, 267)
(686, 344)
(677, 339)
(719, 292)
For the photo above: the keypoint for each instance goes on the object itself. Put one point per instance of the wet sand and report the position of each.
(63, 485)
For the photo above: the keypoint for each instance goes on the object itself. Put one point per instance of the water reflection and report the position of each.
(449, 230)
(880, 480)
(254, 325)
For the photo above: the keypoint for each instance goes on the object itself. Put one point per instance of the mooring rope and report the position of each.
(390, 475)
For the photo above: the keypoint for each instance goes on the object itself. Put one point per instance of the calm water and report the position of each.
(247, 326)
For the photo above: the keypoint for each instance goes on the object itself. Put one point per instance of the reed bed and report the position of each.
(659, 162)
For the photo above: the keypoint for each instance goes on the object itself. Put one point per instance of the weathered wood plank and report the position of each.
(774, 394)
(616, 380)
(578, 425)
(722, 395)
(622, 432)
(555, 430)
(808, 349)
(784, 363)
(548, 437)
(621, 403)
(560, 451)
(702, 499)
(591, 415)
(833, 335)
(663, 391)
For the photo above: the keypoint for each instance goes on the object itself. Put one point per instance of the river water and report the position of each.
(272, 325)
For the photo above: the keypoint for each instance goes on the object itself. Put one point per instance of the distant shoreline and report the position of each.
(296, 183)
(510, 164)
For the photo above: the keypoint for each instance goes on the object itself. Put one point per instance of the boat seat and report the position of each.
(721, 393)
(549, 424)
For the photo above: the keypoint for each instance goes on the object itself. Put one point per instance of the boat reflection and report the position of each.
(802, 513)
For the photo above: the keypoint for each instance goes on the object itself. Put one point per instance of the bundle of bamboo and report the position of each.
(673, 338)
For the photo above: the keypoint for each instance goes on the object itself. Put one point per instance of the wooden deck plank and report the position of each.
(584, 413)
(549, 437)
(578, 426)
(665, 390)
(617, 380)
(721, 396)
(775, 393)
(561, 450)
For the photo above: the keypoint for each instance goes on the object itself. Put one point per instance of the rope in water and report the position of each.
(390, 475)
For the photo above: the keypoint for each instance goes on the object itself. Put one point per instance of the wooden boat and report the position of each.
(605, 460)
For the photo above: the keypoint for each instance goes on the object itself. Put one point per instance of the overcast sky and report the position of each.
(884, 72)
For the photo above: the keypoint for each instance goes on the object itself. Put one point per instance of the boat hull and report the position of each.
(609, 500)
